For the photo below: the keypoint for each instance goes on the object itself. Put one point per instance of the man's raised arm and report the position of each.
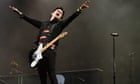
(74, 15)
(34, 22)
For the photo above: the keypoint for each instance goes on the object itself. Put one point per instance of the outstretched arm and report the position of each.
(34, 22)
(77, 13)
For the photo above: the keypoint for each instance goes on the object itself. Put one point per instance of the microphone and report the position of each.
(114, 34)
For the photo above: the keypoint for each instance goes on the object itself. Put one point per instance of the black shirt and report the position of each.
(50, 29)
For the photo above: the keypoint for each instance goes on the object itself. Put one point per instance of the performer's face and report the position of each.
(58, 14)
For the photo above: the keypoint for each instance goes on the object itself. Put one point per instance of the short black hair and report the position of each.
(59, 8)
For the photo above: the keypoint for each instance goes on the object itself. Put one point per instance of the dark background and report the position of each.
(89, 43)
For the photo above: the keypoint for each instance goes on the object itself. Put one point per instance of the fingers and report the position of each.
(13, 8)
(86, 3)
(10, 6)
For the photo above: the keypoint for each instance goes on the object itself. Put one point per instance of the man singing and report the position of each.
(48, 30)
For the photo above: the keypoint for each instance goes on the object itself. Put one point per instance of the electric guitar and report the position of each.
(37, 54)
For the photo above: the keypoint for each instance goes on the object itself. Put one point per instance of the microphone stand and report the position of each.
(131, 67)
(114, 57)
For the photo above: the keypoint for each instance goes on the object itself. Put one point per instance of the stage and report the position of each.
(87, 55)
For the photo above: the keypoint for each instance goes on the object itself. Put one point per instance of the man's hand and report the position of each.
(15, 10)
(84, 5)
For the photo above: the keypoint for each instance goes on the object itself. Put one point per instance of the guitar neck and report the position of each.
(49, 44)
(53, 41)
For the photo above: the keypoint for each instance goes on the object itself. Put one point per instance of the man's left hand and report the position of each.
(84, 5)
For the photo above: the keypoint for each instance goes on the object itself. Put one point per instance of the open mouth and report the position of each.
(57, 14)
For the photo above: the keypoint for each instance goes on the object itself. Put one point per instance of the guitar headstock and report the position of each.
(63, 34)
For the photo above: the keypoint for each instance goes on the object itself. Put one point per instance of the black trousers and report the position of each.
(46, 66)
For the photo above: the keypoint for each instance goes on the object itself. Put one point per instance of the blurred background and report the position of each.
(89, 45)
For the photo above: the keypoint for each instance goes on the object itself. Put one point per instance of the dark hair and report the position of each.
(61, 9)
